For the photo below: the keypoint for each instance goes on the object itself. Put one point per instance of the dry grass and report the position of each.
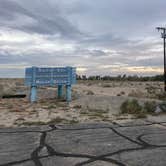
(93, 113)
(33, 123)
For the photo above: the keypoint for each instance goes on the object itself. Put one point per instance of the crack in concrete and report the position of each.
(52, 152)
(143, 145)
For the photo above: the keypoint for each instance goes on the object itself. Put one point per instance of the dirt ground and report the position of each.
(92, 101)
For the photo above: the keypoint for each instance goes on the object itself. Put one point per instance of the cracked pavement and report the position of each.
(136, 143)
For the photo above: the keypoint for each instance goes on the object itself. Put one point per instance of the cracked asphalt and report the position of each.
(138, 143)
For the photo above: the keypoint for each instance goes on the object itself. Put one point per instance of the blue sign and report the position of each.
(35, 76)
(58, 76)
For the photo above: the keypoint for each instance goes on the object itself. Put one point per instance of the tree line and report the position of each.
(122, 78)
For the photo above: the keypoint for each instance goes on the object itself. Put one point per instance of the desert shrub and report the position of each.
(77, 106)
(51, 106)
(19, 121)
(75, 94)
(140, 115)
(150, 106)
(106, 85)
(151, 89)
(131, 107)
(89, 92)
(57, 120)
(61, 103)
(89, 84)
(161, 96)
(136, 93)
(73, 121)
(122, 93)
(33, 123)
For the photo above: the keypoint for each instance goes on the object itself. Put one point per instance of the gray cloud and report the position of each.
(99, 36)
(18, 16)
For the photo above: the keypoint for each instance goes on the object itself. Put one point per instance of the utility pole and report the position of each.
(163, 35)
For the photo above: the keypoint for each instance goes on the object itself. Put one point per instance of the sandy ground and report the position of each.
(93, 101)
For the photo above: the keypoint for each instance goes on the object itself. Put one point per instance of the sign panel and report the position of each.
(36, 76)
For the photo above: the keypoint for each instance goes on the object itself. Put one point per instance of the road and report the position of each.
(138, 143)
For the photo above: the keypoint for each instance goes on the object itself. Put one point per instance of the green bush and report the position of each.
(150, 106)
(131, 107)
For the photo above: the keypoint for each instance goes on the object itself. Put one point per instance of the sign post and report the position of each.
(60, 76)
(60, 91)
(68, 93)
(33, 86)
(33, 94)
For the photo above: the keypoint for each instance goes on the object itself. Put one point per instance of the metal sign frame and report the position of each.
(50, 76)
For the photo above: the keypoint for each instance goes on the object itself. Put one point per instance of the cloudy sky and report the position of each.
(107, 37)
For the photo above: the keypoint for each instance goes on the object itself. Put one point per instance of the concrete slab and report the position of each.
(84, 144)
(147, 157)
(17, 146)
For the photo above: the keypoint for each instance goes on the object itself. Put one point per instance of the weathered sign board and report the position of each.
(58, 76)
